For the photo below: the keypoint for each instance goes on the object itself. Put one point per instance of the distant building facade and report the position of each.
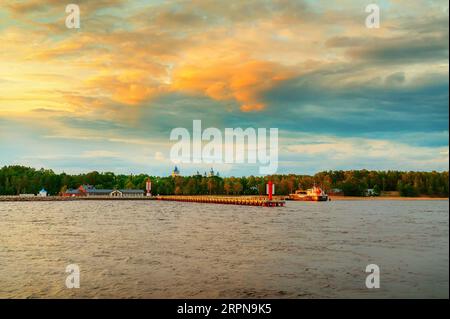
(89, 190)
(336, 192)
(371, 192)
(175, 172)
(43, 193)
(212, 173)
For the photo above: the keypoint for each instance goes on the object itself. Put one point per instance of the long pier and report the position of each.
(249, 201)
(228, 200)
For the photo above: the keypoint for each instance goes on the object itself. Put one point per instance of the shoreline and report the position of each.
(67, 199)
(332, 198)
(381, 198)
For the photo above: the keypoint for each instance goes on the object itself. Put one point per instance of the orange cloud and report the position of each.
(231, 80)
(131, 87)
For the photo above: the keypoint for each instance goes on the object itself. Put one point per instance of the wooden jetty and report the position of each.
(238, 200)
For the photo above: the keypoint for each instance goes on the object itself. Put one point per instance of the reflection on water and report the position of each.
(186, 250)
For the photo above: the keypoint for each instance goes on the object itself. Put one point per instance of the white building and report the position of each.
(43, 193)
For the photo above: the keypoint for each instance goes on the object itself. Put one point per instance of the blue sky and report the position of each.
(105, 97)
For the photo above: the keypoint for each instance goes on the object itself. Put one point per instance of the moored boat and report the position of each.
(315, 194)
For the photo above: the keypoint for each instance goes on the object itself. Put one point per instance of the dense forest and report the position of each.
(16, 180)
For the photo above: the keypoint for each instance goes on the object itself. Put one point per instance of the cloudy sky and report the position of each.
(106, 96)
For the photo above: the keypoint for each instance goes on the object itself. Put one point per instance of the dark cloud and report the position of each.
(411, 39)
(404, 50)
(396, 50)
(425, 24)
(304, 104)
(395, 78)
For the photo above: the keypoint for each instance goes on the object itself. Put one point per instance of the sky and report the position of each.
(106, 96)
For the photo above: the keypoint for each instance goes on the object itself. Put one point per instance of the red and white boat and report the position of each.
(315, 194)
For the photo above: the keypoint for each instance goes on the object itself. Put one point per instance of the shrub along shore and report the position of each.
(15, 180)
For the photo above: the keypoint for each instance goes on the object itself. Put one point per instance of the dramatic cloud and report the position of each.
(137, 69)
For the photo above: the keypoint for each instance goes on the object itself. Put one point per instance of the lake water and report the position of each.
(154, 249)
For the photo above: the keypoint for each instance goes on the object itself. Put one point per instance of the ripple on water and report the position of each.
(162, 249)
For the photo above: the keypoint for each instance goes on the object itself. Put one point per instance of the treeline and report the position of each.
(16, 180)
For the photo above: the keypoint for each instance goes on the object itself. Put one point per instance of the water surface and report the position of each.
(140, 249)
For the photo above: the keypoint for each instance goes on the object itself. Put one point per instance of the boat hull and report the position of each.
(308, 198)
